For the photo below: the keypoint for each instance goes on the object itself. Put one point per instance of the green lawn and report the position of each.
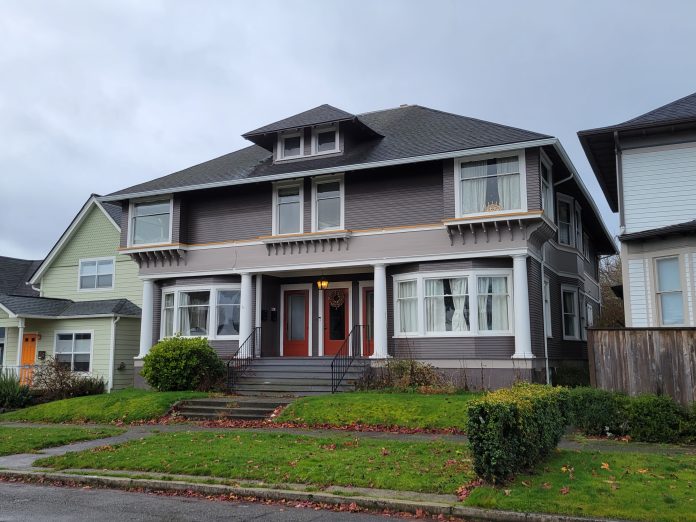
(634, 486)
(27, 440)
(410, 410)
(125, 406)
(273, 457)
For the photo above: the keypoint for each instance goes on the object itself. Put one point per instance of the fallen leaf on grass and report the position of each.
(605, 465)
(565, 490)
(643, 471)
(546, 485)
(507, 492)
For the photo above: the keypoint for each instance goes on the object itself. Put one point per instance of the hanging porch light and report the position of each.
(322, 283)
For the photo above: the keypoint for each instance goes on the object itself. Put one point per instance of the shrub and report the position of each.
(571, 376)
(55, 381)
(511, 429)
(653, 418)
(598, 412)
(181, 363)
(13, 394)
(405, 374)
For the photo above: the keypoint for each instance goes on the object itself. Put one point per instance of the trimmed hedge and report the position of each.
(511, 429)
(183, 363)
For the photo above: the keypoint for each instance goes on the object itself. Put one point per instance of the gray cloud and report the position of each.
(96, 96)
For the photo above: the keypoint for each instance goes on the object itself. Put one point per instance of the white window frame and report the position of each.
(74, 333)
(282, 136)
(548, 212)
(521, 163)
(315, 212)
(575, 291)
(96, 260)
(588, 318)
(548, 325)
(472, 275)
(681, 290)
(131, 216)
(571, 203)
(320, 130)
(212, 309)
(586, 246)
(577, 226)
(282, 185)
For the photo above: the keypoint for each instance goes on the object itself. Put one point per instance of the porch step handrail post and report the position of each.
(245, 316)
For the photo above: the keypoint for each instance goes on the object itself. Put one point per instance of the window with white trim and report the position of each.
(589, 317)
(489, 185)
(569, 301)
(287, 212)
(73, 350)
(150, 222)
(546, 188)
(577, 226)
(327, 205)
(461, 303)
(669, 291)
(291, 145)
(548, 327)
(447, 305)
(325, 139)
(566, 234)
(96, 274)
(586, 247)
(211, 312)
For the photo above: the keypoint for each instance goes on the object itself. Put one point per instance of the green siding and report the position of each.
(96, 237)
(127, 348)
(11, 346)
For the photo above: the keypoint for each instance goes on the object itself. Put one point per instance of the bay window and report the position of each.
(287, 210)
(669, 291)
(565, 222)
(96, 274)
(201, 312)
(490, 185)
(150, 222)
(327, 205)
(73, 350)
(453, 304)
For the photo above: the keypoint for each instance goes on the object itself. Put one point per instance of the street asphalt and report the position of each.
(19, 502)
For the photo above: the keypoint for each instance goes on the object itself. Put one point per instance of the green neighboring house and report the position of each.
(80, 305)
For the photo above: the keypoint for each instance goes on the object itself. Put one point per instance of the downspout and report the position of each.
(543, 303)
(112, 355)
(564, 180)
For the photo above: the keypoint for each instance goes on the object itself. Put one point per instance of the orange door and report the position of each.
(368, 320)
(336, 320)
(296, 323)
(28, 358)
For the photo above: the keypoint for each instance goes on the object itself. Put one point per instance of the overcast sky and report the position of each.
(96, 96)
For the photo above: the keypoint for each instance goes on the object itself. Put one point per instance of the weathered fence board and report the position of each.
(644, 360)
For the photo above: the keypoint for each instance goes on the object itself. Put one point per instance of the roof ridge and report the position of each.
(658, 108)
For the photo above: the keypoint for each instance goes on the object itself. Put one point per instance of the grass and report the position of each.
(632, 486)
(409, 410)
(434, 467)
(27, 440)
(124, 405)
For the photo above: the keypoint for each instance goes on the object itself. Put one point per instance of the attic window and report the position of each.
(325, 140)
(291, 145)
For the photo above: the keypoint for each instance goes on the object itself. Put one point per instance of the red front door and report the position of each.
(336, 319)
(296, 324)
(368, 320)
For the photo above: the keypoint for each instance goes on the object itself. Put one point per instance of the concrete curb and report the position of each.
(378, 504)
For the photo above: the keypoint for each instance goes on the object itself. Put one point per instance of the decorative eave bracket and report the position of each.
(315, 243)
(159, 257)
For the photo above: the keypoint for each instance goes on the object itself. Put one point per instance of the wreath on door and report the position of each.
(336, 298)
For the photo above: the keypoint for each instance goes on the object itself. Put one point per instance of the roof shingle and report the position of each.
(57, 308)
(316, 116)
(14, 274)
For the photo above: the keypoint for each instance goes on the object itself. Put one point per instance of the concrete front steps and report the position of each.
(237, 408)
(294, 376)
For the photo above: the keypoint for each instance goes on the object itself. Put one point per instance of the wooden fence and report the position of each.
(644, 360)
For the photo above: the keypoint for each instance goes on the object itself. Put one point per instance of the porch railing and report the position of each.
(24, 372)
(347, 353)
(243, 357)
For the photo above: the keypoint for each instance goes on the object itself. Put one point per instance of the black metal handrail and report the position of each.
(243, 357)
(349, 350)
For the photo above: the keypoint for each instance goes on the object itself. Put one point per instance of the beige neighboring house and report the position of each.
(80, 305)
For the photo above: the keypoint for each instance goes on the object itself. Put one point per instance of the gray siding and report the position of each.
(532, 158)
(448, 188)
(559, 348)
(127, 347)
(536, 306)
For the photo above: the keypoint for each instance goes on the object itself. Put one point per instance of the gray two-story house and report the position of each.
(406, 232)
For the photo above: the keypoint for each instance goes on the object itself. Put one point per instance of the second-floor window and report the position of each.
(150, 222)
(96, 274)
(327, 207)
(565, 222)
(287, 212)
(669, 291)
(490, 185)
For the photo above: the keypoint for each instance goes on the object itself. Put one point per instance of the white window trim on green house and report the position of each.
(74, 334)
(99, 264)
(213, 310)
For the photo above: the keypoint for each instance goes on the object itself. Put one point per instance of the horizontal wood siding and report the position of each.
(635, 361)
(558, 348)
(536, 306)
(532, 158)
(448, 188)
(126, 349)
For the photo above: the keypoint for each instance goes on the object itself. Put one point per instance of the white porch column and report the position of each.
(20, 340)
(245, 306)
(146, 318)
(523, 335)
(380, 320)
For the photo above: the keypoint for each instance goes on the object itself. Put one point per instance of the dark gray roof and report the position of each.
(407, 132)
(14, 273)
(114, 211)
(316, 116)
(688, 228)
(24, 306)
(680, 110)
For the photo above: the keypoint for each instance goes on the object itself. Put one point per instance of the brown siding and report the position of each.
(394, 196)
(532, 159)
(176, 220)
